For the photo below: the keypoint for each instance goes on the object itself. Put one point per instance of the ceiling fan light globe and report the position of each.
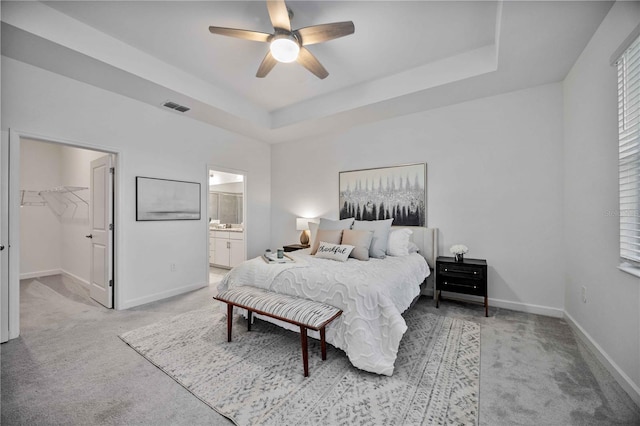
(284, 49)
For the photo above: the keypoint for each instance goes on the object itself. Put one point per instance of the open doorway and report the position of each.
(61, 216)
(227, 225)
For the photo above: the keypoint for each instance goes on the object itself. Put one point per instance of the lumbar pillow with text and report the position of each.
(339, 252)
(361, 240)
(327, 235)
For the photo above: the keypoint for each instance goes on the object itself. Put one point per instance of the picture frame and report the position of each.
(398, 192)
(164, 199)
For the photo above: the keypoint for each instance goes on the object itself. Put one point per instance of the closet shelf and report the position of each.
(62, 200)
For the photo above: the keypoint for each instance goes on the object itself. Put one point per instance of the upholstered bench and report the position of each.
(304, 313)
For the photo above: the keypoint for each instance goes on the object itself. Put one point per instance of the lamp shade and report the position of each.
(302, 224)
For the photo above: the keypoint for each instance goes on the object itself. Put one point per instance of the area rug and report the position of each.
(258, 378)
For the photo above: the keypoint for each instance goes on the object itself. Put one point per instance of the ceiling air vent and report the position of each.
(176, 106)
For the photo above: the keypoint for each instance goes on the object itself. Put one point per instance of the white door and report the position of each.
(101, 236)
(4, 242)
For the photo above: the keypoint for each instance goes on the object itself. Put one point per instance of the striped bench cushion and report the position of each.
(302, 311)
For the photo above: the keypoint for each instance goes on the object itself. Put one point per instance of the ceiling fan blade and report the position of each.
(279, 14)
(244, 34)
(324, 32)
(266, 65)
(307, 60)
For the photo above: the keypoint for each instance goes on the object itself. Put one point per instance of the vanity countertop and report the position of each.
(227, 229)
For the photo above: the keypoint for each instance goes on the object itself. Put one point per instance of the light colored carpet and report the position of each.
(258, 378)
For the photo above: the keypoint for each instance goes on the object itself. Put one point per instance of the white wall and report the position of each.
(150, 142)
(611, 316)
(40, 228)
(494, 173)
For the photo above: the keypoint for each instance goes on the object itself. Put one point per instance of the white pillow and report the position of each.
(336, 224)
(380, 228)
(398, 244)
(413, 247)
(334, 251)
(313, 231)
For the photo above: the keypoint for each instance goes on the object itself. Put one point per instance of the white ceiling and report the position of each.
(404, 56)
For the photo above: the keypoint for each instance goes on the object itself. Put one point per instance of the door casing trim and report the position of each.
(14, 213)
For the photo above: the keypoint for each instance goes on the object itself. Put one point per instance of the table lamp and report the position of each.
(302, 224)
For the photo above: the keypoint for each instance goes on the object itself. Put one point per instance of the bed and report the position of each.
(372, 294)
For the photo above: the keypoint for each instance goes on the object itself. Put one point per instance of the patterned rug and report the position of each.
(258, 378)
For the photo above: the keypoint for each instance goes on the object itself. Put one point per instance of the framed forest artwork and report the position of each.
(398, 192)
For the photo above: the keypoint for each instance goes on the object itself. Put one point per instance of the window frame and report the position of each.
(627, 62)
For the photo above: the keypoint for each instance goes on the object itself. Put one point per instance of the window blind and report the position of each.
(629, 151)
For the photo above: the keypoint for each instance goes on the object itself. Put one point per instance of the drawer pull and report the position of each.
(446, 270)
(475, 272)
(459, 285)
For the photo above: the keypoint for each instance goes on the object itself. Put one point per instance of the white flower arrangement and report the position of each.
(459, 249)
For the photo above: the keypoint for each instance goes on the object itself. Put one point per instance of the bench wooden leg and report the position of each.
(323, 344)
(249, 319)
(305, 352)
(229, 320)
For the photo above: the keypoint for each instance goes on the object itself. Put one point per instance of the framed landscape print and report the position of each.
(163, 199)
(398, 192)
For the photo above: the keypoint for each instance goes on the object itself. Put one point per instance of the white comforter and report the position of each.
(372, 295)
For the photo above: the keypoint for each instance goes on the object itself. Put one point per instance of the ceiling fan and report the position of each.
(287, 45)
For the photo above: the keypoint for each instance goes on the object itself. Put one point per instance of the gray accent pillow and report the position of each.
(328, 236)
(380, 228)
(360, 240)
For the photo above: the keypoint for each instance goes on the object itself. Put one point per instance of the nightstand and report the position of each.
(294, 247)
(467, 277)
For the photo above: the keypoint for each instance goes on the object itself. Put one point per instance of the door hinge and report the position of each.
(111, 227)
(112, 170)
(110, 283)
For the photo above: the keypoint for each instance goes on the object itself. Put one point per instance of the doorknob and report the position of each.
(89, 236)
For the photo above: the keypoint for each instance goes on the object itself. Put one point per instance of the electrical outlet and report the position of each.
(173, 267)
(584, 294)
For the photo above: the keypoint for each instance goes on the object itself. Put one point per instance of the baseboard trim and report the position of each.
(508, 304)
(127, 304)
(76, 278)
(620, 376)
(28, 275)
(528, 308)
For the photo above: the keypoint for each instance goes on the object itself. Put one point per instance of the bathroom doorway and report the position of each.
(226, 200)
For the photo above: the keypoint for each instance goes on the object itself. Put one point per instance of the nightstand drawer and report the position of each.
(461, 285)
(461, 271)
